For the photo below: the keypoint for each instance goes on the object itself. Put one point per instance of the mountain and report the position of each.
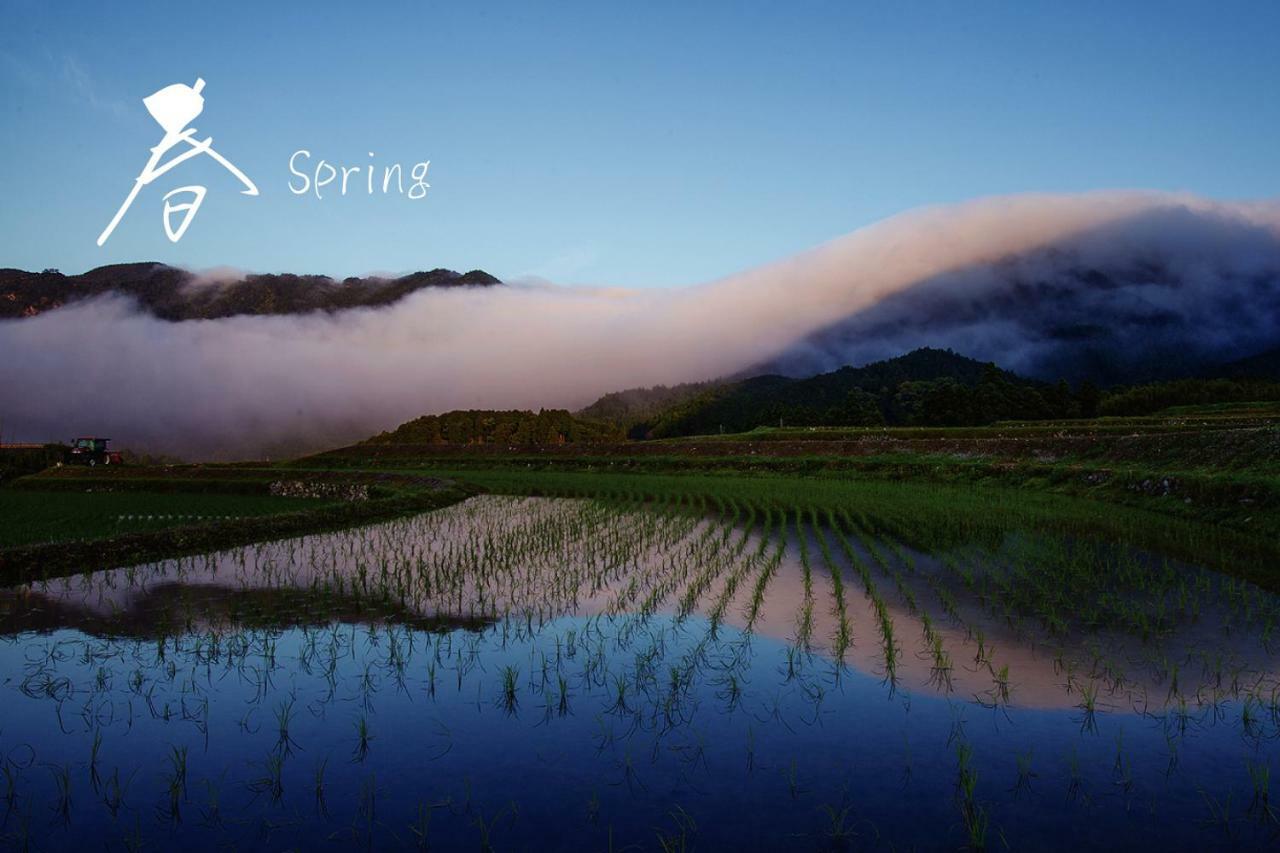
(925, 387)
(548, 426)
(1264, 365)
(1162, 294)
(176, 294)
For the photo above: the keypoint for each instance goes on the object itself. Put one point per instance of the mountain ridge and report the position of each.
(174, 294)
(1262, 365)
(927, 386)
(497, 426)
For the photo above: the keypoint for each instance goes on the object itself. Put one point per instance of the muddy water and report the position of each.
(565, 675)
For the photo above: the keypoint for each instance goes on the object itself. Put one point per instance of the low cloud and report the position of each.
(964, 275)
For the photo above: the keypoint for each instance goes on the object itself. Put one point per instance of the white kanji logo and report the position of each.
(174, 107)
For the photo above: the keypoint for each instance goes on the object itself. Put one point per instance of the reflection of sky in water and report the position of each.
(749, 735)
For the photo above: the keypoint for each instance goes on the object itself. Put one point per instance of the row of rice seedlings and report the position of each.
(777, 526)
(888, 642)
(745, 565)
(973, 814)
(804, 621)
(844, 632)
(940, 670)
(1140, 610)
(712, 555)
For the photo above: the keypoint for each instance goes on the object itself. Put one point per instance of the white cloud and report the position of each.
(245, 385)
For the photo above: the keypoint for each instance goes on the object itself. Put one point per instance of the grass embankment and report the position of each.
(31, 517)
(1220, 466)
(268, 504)
(17, 460)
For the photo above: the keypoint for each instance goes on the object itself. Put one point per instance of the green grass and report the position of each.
(1173, 420)
(1186, 481)
(29, 517)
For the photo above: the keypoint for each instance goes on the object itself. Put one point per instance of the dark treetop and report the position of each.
(175, 294)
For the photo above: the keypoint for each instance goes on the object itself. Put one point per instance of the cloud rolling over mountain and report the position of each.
(1110, 285)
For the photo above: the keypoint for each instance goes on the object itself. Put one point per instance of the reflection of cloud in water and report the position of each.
(533, 560)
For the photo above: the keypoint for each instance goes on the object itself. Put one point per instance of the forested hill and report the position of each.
(625, 409)
(925, 387)
(484, 426)
(176, 294)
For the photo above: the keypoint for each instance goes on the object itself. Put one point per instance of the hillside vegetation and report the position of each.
(483, 426)
(634, 409)
(1156, 397)
(927, 387)
(176, 294)
(924, 388)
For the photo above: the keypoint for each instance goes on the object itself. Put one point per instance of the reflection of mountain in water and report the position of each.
(173, 608)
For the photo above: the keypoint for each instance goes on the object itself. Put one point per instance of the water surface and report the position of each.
(569, 675)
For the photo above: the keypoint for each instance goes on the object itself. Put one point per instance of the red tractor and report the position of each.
(92, 451)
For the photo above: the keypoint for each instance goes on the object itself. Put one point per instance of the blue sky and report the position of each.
(613, 143)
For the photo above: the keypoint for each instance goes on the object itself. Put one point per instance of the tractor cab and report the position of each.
(91, 451)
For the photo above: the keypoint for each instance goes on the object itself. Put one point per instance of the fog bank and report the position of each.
(1002, 278)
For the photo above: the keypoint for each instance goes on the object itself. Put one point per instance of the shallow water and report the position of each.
(566, 675)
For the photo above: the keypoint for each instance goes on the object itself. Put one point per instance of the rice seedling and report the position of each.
(363, 738)
(1219, 815)
(510, 680)
(318, 787)
(1002, 685)
(1075, 781)
(271, 779)
(211, 812)
(95, 780)
(510, 811)
(284, 717)
(178, 764)
(1025, 773)
(1260, 806)
(10, 773)
(973, 814)
(114, 792)
(1089, 706)
(62, 796)
(680, 837)
(793, 780)
(840, 832)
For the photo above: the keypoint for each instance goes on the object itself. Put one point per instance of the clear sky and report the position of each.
(641, 144)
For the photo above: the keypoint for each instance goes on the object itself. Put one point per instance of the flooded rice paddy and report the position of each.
(551, 674)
